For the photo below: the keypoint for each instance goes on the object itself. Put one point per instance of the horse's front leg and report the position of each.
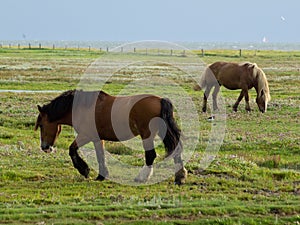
(236, 104)
(103, 171)
(78, 162)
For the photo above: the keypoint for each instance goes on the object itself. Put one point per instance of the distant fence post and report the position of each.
(107, 49)
(171, 52)
(122, 49)
(9, 45)
(134, 50)
(89, 48)
(29, 46)
(19, 46)
(40, 45)
(65, 47)
(53, 47)
(202, 52)
(240, 52)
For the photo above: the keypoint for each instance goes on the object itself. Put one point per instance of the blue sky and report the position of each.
(134, 20)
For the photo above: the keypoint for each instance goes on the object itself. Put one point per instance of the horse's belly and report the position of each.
(231, 83)
(232, 87)
(119, 137)
(117, 131)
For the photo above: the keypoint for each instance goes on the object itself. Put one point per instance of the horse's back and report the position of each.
(232, 75)
(122, 118)
(215, 67)
(149, 105)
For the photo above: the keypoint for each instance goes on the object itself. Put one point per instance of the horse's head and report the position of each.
(49, 130)
(262, 101)
(263, 92)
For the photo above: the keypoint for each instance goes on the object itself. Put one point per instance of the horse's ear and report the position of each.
(40, 108)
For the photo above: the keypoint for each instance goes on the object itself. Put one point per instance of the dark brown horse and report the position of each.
(235, 76)
(97, 116)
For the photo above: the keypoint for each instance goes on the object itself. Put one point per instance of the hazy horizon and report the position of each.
(133, 20)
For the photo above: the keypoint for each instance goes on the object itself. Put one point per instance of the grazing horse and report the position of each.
(235, 76)
(97, 116)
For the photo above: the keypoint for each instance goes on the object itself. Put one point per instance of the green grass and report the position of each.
(254, 179)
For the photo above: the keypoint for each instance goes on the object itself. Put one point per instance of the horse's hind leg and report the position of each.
(180, 171)
(103, 171)
(205, 97)
(215, 95)
(236, 104)
(150, 154)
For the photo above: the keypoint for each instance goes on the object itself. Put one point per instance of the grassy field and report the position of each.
(255, 178)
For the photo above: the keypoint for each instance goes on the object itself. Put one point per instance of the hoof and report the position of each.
(211, 118)
(180, 176)
(100, 178)
(144, 175)
(81, 166)
(84, 172)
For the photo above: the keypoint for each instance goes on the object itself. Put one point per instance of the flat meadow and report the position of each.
(254, 178)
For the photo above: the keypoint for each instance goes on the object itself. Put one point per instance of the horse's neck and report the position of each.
(66, 120)
(260, 83)
(256, 81)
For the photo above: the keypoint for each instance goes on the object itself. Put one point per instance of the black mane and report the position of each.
(59, 106)
(63, 104)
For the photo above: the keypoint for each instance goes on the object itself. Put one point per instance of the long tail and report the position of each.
(203, 80)
(204, 77)
(169, 132)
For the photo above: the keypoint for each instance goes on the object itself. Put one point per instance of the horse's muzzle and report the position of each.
(47, 148)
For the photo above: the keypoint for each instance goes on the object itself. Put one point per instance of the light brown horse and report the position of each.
(97, 116)
(235, 76)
